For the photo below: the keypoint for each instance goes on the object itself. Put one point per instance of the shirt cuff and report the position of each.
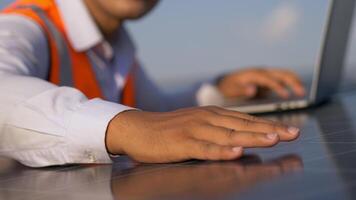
(209, 94)
(87, 131)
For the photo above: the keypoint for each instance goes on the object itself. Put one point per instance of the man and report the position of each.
(60, 59)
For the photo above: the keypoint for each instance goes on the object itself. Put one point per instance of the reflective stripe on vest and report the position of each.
(65, 73)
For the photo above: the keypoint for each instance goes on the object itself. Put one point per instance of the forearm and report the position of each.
(44, 125)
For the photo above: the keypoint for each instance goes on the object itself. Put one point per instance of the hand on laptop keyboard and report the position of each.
(248, 83)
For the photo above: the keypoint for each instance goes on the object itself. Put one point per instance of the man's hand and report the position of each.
(245, 83)
(206, 133)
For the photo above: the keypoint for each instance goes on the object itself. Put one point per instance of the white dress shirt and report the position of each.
(42, 124)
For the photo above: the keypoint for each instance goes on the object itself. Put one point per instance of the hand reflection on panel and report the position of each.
(202, 180)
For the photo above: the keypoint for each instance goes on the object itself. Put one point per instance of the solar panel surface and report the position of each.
(320, 165)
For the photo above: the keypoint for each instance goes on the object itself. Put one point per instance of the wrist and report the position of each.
(114, 139)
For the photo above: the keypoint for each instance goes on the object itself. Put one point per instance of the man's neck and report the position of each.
(107, 24)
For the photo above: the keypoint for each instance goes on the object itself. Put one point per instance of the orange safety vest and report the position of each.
(67, 67)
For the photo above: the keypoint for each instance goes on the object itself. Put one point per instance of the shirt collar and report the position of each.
(82, 31)
(84, 34)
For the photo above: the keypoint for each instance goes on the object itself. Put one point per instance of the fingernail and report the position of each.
(271, 136)
(293, 130)
(237, 149)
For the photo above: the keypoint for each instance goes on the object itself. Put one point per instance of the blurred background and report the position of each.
(181, 42)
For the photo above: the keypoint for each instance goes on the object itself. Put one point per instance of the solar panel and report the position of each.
(319, 165)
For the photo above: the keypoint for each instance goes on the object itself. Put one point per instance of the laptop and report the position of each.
(327, 72)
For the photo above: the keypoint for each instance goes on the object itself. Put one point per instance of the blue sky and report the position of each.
(182, 40)
(206, 37)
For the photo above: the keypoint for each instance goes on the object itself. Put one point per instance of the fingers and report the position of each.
(232, 113)
(248, 123)
(248, 91)
(284, 132)
(265, 80)
(241, 90)
(230, 137)
(290, 79)
(203, 150)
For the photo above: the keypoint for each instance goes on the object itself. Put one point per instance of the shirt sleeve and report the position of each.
(42, 124)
